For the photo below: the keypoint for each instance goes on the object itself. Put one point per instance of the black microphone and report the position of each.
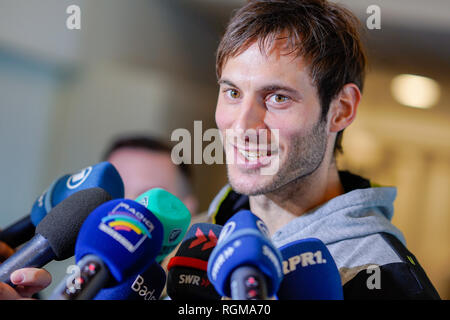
(187, 278)
(56, 234)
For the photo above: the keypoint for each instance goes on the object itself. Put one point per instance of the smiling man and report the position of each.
(262, 93)
(295, 69)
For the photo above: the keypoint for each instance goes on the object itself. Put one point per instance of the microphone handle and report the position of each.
(248, 283)
(34, 254)
(19, 232)
(90, 276)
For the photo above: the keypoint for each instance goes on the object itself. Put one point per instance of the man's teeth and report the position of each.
(253, 155)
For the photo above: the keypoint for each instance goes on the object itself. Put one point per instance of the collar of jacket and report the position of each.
(227, 202)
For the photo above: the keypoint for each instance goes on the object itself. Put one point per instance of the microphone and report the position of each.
(172, 213)
(175, 218)
(187, 278)
(102, 175)
(310, 272)
(56, 234)
(118, 240)
(245, 265)
(146, 286)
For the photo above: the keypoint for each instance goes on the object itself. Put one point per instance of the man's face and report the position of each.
(142, 170)
(264, 93)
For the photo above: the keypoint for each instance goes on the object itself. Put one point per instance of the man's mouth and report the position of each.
(257, 156)
(253, 155)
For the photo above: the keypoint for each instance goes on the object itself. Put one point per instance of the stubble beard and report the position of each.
(303, 159)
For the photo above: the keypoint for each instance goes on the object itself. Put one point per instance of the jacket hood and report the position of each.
(355, 214)
(363, 209)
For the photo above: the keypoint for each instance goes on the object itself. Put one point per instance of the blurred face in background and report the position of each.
(142, 170)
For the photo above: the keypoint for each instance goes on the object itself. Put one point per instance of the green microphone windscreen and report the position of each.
(173, 215)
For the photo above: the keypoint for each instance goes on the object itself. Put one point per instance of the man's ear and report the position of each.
(343, 107)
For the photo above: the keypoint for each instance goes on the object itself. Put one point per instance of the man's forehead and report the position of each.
(278, 50)
(276, 66)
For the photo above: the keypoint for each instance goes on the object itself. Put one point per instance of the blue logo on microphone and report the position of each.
(77, 179)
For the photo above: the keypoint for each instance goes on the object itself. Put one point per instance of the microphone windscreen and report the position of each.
(172, 213)
(244, 241)
(310, 272)
(146, 286)
(124, 235)
(187, 271)
(102, 175)
(61, 225)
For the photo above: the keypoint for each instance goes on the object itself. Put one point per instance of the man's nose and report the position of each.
(251, 115)
(250, 122)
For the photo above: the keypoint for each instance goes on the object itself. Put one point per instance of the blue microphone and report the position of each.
(175, 218)
(245, 265)
(310, 272)
(118, 240)
(146, 286)
(102, 175)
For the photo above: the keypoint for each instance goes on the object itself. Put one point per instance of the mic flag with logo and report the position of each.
(310, 272)
(187, 278)
(206, 242)
(122, 233)
(244, 243)
(101, 175)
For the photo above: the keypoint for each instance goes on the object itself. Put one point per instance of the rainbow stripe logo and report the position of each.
(125, 229)
(124, 222)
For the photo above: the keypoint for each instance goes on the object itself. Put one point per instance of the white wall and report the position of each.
(27, 93)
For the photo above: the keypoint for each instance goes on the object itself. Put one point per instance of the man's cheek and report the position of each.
(223, 115)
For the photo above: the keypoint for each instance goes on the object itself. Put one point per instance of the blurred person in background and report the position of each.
(144, 163)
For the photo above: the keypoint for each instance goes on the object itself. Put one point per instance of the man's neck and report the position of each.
(278, 208)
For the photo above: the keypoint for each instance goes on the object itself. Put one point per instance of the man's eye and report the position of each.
(234, 94)
(278, 98)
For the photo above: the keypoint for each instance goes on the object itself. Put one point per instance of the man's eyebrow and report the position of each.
(277, 87)
(270, 87)
(227, 82)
